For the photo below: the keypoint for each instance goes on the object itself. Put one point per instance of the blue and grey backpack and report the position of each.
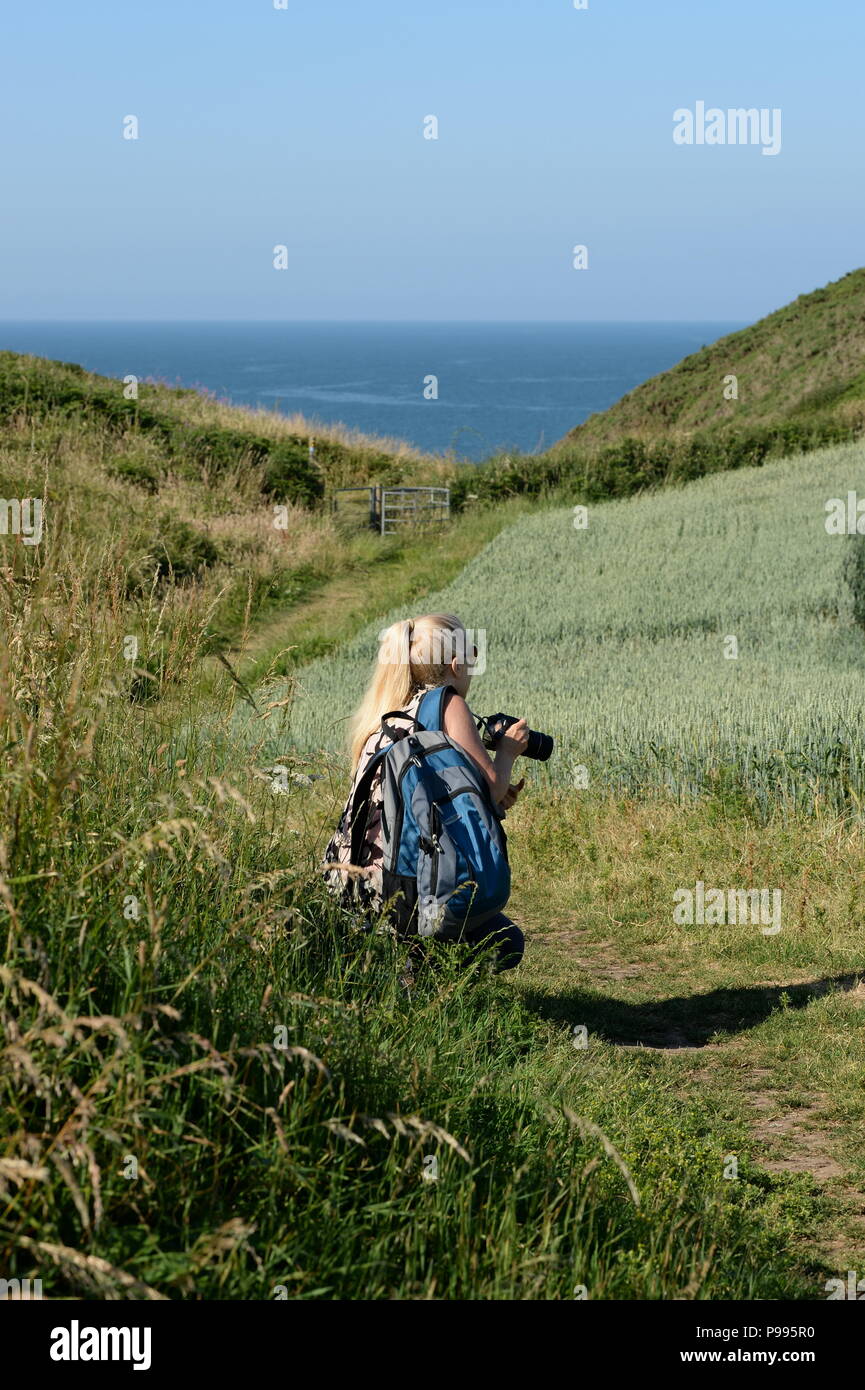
(445, 862)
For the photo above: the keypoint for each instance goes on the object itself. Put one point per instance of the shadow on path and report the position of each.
(689, 1021)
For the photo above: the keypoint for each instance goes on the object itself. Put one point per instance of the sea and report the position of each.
(473, 389)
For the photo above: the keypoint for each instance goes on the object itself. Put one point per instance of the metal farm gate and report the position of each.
(392, 509)
(399, 507)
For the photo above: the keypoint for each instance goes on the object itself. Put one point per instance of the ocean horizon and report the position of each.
(501, 386)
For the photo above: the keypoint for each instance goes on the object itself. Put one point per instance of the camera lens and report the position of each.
(540, 746)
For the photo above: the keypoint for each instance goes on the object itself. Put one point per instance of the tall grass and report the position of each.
(211, 1084)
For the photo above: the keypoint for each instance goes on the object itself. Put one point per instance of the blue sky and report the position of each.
(304, 127)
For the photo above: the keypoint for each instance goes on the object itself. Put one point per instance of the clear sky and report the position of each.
(304, 127)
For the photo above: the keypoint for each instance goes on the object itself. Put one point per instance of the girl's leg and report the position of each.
(498, 933)
(503, 935)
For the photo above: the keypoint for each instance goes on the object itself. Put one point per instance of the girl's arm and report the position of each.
(460, 726)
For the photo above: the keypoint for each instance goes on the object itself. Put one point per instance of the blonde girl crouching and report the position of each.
(415, 656)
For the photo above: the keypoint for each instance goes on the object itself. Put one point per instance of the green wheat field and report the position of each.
(615, 636)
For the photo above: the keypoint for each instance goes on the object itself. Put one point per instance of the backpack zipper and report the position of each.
(458, 791)
(434, 874)
(440, 801)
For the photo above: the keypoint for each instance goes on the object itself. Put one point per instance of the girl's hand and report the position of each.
(511, 794)
(459, 724)
(515, 740)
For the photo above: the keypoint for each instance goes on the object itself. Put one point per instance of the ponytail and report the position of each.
(412, 654)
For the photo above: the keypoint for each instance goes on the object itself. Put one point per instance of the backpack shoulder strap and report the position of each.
(360, 804)
(429, 718)
(360, 799)
(430, 711)
(396, 734)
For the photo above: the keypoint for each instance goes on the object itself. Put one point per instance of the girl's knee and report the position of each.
(512, 945)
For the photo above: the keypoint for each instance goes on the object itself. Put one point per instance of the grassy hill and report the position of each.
(168, 432)
(800, 379)
(166, 506)
(803, 364)
(801, 385)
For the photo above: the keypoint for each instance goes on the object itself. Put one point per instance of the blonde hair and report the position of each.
(412, 654)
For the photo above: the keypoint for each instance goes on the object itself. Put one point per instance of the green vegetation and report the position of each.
(166, 433)
(802, 366)
(178, 493)
(800, 383)
(704, 639)
(212, 1085)
(767, 1031)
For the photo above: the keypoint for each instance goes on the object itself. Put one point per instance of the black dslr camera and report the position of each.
(540, 745)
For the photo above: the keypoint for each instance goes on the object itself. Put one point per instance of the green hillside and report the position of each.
(803, 364)
(165, 432)
(186, 511)
(799, 385)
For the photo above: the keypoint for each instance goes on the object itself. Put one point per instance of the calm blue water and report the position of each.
(501, 385)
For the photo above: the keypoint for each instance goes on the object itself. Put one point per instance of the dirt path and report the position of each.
(766, 1048)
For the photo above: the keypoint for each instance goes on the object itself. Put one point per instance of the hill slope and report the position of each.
(188, 511)
(194, 434)
(804, 362)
